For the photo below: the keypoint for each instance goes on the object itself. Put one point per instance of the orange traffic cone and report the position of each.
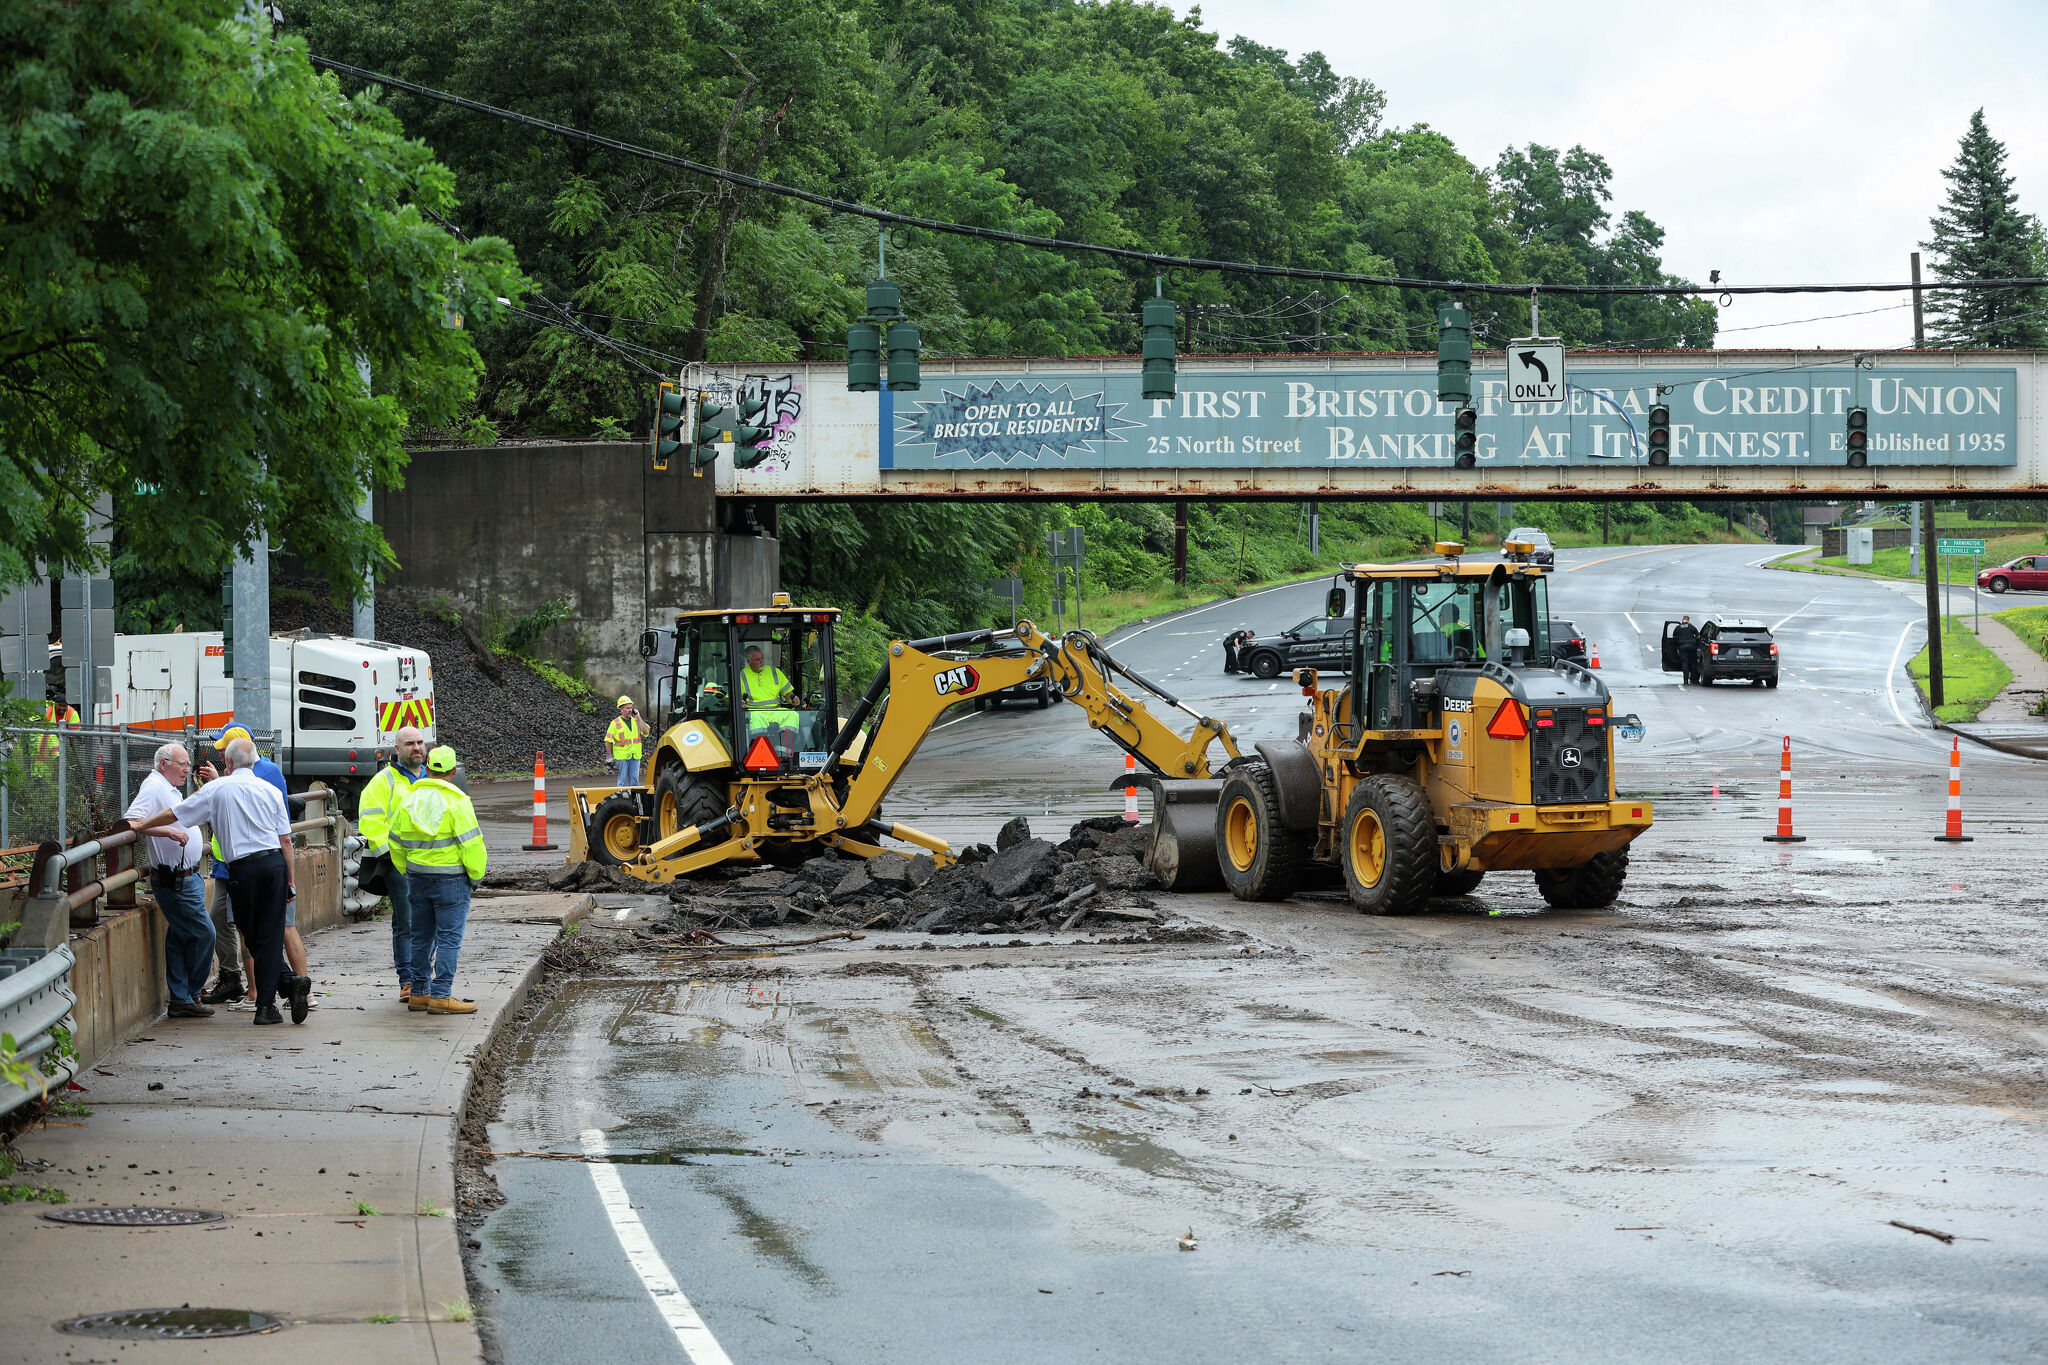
(1594, 650)
(1130, 790)
(1955, 833)
(540, 842)
(1785, 834)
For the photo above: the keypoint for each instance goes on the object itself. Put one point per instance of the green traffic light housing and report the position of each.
(1465, 437)
(903, 341)
(1159, 318)
(863, 358)
(1454, 354)
(1659, 439)
(750, 440)
(669, 416)
(1857, 437)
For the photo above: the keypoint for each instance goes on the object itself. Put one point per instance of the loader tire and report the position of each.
(1388, 846)
(1588, 886)
(1261, 859)
(681, 801)
(614, 833)
(1457, 883)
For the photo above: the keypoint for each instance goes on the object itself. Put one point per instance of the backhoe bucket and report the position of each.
(1183, 852)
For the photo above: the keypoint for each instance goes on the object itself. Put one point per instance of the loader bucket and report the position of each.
(1183, 852)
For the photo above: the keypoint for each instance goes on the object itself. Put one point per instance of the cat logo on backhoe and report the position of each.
(957, 682)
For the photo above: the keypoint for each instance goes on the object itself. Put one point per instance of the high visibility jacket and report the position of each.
(764, 688)
(380, 803)
(624, 737)
(47, 745)
(434, 833)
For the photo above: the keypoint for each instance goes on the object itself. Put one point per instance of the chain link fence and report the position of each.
(62, 782)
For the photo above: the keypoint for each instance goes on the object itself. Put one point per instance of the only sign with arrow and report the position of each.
(1536, 370)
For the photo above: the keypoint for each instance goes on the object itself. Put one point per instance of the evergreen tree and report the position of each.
(1980, 234)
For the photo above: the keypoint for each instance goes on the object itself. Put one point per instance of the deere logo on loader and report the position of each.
(957, 682)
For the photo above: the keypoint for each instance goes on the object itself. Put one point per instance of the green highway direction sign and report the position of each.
(1959, 547)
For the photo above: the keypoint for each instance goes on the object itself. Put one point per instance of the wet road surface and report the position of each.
(1679, 1128)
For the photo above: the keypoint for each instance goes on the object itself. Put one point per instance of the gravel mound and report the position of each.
(1094, 879)
(495, 725)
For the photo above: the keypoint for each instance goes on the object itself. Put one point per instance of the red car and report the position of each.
(2028, 573)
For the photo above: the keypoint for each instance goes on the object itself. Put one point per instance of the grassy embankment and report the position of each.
(1893, 562)
(1971, 674)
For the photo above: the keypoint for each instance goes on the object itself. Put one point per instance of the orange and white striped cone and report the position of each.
(1130, 790)
(1955, 833)
(1593, 650)
(1785, 834)
(540, 842)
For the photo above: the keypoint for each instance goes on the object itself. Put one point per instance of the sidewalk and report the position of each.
(283, 1129)
(2008, 723)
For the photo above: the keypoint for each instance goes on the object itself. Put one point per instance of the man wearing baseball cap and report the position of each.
(624, 739)
(295, 986)
(436, 843)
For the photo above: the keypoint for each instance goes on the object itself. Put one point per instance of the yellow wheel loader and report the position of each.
(754, 763)
(1460, 745)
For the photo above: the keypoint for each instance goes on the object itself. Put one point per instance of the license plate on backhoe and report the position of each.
(811, 758)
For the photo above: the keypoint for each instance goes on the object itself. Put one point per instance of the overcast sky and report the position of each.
(1776, 142)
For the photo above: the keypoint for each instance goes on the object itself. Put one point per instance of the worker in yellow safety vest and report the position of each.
(769, 699)
(437, 845)
(374, 812)
(48, 747)
(624, 738)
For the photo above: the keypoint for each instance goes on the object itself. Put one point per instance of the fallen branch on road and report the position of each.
(1942, 1237)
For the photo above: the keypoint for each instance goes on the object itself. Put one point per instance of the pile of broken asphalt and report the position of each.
(1095, 876)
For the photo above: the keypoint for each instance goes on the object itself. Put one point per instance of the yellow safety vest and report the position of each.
(47, 745)
(380, 802)
(624, 737)
(765, 688)
(434, 833)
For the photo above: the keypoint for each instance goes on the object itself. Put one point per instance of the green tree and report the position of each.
(201, 240)
(1980, 234)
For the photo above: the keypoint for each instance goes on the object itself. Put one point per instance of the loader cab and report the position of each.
(762, 681)
(1414, 623)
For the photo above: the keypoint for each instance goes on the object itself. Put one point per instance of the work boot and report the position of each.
(442, 1004)
(417, 1003)
(226, 991)
(299, 994)
(405, 995)
(269, 1015)
(185, 1009)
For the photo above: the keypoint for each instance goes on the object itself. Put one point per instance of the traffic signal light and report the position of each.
(670, 403)
(1158, 317)
(1454, 354)
(863, 358)
(1466, 428)
(749, 441)
(1660, 433)
(903, 342)
(714, 428)
(1858, 437)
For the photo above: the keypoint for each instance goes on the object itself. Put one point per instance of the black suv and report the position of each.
(1566, 642)
(1729, 647)
(1322, 642)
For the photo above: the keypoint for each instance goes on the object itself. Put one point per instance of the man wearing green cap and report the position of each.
(624, 739)
(436, 843)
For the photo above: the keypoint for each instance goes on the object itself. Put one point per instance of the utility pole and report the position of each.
(364, 624)
(1927, 557)
(1180, 542)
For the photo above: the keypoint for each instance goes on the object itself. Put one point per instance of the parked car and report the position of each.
(1039, 690)
(1566, 642)
(1540, 551)
(1729, 647)
(2028, 573)
(1322, 642)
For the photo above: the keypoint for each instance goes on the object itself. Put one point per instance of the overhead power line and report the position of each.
(1148, 258)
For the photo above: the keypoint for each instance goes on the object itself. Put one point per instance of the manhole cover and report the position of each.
(174, 1324)
(132, 1216)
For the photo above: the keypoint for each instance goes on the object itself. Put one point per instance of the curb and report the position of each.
(2000, 746)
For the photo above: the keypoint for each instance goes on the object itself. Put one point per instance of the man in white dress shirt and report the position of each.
(174, 855)
(254, 827)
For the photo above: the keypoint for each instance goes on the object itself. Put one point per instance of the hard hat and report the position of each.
(441, 760)
(625, 701)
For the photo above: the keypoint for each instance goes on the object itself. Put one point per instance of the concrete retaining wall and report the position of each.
(510, 527)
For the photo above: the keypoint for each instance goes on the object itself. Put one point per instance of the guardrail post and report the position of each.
(120, 860)
(63, 787)
(44, 919)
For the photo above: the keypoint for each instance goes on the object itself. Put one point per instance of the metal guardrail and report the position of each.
(35, 1000)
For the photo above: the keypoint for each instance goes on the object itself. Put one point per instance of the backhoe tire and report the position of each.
(614, 832)
(681, 801)
(1457, 883)
(1387, 846)
(1589, 886)
(1265, 665)
(1261, 859)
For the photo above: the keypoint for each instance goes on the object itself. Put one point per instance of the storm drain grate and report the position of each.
(132, 1216)
(172, 1324)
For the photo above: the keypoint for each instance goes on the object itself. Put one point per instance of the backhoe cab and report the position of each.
(1460, 746)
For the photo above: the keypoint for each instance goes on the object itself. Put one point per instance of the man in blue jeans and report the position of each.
(437, 844)
(174, 880)
(379, 806)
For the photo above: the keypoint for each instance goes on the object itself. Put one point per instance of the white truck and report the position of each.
(335, 703)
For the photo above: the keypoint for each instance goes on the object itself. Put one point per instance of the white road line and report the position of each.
(1891, 673)
(691, 1334)
(1630, 618)
(1781, 624)
(1197, 611)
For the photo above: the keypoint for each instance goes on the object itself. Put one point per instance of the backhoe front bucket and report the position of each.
(1183, 852)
